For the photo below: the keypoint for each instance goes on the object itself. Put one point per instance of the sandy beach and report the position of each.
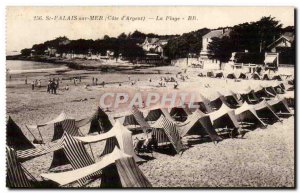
(265, 158)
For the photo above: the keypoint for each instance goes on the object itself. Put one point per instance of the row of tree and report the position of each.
(127, 45)
(254, 37)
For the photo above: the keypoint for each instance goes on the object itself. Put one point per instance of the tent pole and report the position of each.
(92, 152)
(30, 132)
(40, 134)
(29, 174)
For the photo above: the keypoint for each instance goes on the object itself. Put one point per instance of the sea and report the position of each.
(20, 66)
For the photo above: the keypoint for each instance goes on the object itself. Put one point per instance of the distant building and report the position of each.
(154, 45)
(207, 38)
(282, 50)
(51, 51)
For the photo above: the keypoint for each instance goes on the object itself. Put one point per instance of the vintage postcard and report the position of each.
(150, 97)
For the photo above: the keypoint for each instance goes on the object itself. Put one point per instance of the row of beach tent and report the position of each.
(219, 115)
(243, 75)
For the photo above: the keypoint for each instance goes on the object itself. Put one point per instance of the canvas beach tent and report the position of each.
(262, 93)
(255, 76)
(15, 138)
(135, 118)
(232, 76)
(231, 99)
(15, 173)
(242, 76)
(180, 113)
(278, 87)
(67, 150)
(127, 172)
(265, 112)
(99, 122)
(266, 77)
(224, 117)
(198, 124)
(246, 116)
(152, 114)
(219, 75)
(62, 123)
(119, 136)
(277, 77)
(166, 131)
(280, 106)
(204, 104)
(249, 96)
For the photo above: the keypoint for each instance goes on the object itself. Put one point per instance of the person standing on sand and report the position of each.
(32, 85)
(79, 78)
(57, 83)
(74, 81)
(26, 80)
(96, 81)
(103, 83)
(128, 77)
(93, 80)
(39, 83)
(48, 86)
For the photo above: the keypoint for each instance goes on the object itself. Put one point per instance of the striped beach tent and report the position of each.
(224, 117)
(119, 136)
(15, 138)
(127, 173)
(198, 124)
(246, 114)
(99, 122)
(24, 155)
(62, 123)
(66, 150)
(165, 130)
(15, 174)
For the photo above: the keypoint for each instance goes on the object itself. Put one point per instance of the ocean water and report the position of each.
(19, 66)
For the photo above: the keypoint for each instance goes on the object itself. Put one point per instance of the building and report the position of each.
(207, 38)
(51, 51)
(154, 45)
(282, 50)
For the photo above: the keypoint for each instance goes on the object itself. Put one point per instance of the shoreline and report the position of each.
(86, 64)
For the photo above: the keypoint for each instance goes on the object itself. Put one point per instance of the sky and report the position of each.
(23, 29)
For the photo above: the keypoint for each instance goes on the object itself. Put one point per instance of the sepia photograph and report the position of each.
(150, 97)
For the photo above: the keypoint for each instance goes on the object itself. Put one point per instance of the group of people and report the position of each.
(35, 83)
(52, 86)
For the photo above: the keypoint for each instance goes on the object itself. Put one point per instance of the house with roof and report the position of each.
(207, 38)
(154, 45)
(281, 51)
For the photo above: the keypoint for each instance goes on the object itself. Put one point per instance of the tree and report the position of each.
(220, 49)
(26, 52)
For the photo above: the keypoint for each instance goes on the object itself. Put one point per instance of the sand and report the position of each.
(265, 158)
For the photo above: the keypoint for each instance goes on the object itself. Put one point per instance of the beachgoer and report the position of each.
(26, 80)
(67, 87)
(32, 85)
(48, 86)
(39, 84)
(79, 78)
(128, 77)
(103, 83)
(93, 80)
(74, 81)
(96, 81)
